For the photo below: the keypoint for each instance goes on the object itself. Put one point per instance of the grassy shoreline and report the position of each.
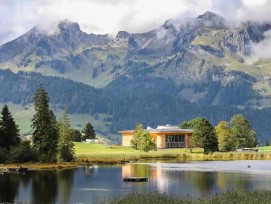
(245, 197)
(86, 154)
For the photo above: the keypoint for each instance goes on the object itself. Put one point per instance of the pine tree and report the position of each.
(44, 124)
(65, 145)
(89, 132)
(9, 131)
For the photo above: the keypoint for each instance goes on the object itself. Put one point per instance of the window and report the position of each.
(174, 141)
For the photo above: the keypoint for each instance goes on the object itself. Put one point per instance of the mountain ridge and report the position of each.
(199, 62)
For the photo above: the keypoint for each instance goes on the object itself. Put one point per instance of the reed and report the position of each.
(244, 197)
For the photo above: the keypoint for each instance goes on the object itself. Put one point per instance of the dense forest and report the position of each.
(126, 101)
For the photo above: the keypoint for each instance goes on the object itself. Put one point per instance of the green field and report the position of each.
(24, 114)
(106, 153)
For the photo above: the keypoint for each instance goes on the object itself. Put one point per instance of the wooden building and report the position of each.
(164, 136)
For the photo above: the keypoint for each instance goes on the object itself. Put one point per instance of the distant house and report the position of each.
(96, 140)
(164, 136)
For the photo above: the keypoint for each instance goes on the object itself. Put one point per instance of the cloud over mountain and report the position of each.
(111, 16)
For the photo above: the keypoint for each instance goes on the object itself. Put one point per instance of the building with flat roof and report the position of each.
(165, 136)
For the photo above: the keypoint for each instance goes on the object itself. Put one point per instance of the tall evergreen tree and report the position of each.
(9, 131)
(44, 124)
(89, 132)
(65, 145)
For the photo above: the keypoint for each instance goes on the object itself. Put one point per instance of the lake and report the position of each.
(97, 183)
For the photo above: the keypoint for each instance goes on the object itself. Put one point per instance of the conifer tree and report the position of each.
(89, 132)
(45, 134)
(9, 131)
(65, 145)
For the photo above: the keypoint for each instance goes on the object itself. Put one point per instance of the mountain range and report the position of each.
(202, 66)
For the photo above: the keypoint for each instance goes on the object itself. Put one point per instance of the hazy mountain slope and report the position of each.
(199, 55)
(114, 110)
(183, 69)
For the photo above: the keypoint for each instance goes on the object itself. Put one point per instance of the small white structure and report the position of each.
(96, 140)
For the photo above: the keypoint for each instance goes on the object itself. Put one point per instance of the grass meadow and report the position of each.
(90, 152)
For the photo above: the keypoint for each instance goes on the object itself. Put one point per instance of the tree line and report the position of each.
(225, 137)
(52, 140)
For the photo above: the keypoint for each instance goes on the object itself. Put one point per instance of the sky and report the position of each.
(111, 16)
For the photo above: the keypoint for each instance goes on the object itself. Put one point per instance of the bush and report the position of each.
(4, 154)
(23, 153)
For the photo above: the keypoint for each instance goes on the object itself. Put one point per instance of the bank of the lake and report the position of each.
(99, 153)
(245, 197)
(91, 153)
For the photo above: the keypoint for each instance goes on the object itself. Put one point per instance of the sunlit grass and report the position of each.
(102, 153)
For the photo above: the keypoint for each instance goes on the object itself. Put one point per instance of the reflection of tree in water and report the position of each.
(140, 170)
(232, 181)
(44, 187)
(65, 182)
(9, 185)
(204, 181)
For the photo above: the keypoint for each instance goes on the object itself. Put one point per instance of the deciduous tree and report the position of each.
(203, 135)
(142, 140)
(136, 136)
(245, 135)
(146, 143)
(225, 136)
(65, 145)
(76, 135)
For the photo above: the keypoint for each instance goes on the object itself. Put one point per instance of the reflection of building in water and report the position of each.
(91, 170)
(157, 173)
(164, 136)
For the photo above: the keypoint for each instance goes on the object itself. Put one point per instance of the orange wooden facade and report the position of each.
(164, 137)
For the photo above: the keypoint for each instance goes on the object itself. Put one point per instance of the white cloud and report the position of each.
(262, 49)
(110, 16)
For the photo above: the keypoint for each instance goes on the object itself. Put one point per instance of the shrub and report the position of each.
(4, 154)
(23, 153)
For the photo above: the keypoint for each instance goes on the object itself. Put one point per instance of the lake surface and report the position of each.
(97, 183)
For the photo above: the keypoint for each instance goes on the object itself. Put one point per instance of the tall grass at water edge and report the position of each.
(245, 197)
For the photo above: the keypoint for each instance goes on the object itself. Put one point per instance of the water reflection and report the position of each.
(97, 183)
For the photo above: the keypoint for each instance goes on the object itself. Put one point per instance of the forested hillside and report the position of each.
(157, 104)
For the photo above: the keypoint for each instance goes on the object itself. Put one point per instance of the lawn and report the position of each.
(104, 153)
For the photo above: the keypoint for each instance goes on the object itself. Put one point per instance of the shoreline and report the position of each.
(115, 159)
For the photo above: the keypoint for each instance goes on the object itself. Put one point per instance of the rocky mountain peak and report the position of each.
(212, 20)
(67, 25)
(122, 34)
